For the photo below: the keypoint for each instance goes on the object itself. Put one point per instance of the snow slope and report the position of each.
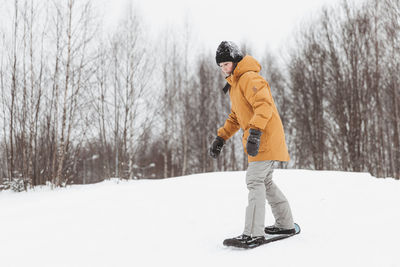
(347, 219)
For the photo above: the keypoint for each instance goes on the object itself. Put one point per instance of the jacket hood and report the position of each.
(248, 63)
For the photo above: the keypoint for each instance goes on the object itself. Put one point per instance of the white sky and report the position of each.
(260, 23)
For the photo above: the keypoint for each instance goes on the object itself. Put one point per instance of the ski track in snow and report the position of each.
(347, 219)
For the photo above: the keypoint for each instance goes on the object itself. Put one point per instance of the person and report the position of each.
(254, 111)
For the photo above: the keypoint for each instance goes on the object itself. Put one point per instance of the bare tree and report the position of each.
(307, 73)
(132, 72)
(171, 81)
(349, 58)
(77, 38)
(13, 91)
(392, 70)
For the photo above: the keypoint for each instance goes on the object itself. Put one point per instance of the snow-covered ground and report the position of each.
(347, 219)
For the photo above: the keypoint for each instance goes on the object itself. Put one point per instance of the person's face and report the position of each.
(226, 67)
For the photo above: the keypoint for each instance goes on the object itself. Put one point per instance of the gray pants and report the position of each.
(261, 187)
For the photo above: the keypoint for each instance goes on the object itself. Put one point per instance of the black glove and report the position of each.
(253, 142)
(216, 147)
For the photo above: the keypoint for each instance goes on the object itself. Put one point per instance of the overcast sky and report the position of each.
(261, 23)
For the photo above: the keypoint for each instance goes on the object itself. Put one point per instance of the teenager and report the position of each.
(254, 111)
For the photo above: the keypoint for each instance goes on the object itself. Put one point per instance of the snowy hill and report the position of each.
(347, 219)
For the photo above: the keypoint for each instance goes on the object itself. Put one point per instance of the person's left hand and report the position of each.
(253, 142)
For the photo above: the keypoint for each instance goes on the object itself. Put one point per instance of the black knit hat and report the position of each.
(228, 51)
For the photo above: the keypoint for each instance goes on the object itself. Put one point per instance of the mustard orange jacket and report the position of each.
(252, 106)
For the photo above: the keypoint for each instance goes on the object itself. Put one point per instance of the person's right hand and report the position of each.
(216, 147)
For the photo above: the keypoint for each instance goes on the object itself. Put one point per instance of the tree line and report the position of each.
(79, 105)
(344, 80)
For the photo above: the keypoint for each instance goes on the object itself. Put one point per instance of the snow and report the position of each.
(347, 219)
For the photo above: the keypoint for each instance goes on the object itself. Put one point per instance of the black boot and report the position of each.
(245, 241)
(273, 230)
